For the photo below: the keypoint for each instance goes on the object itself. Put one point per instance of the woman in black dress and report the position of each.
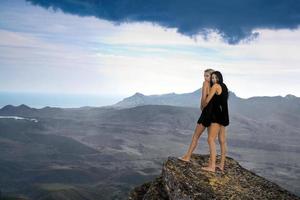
(217, 102)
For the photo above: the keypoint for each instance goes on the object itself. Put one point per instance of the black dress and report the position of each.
(220, 107)
(206, 114)
(216, 110)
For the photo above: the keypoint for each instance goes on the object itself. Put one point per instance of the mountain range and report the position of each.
(104, 152)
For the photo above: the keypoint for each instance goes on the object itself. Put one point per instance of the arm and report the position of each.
(211, 93)
(204, 93)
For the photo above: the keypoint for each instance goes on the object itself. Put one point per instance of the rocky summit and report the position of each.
(181, 180)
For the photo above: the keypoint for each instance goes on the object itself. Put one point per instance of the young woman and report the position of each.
(204, 120)
(217, 100)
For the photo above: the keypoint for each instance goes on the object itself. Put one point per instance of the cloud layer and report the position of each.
(54, 52)
(234, 20)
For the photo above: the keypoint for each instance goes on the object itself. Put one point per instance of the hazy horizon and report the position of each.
(40, 100)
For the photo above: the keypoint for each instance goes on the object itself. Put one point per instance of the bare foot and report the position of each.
(209, 169)
(220, 167)
(183, 158)
(208, 164)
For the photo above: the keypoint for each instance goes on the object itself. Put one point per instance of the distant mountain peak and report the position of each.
(290, 96)
(191, 99)
(138, 94)
(7, 107)
(23, 106)
(16, 110)
(181, 180)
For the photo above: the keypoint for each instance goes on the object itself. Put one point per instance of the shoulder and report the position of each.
(205, 84)
(216, 86)
(224, 86)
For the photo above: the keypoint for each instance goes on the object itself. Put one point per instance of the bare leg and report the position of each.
(223, 145)
(197, 133)
(209, 161)
(214, 130)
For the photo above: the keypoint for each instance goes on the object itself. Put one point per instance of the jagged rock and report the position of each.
(180, 180)
(153, 190)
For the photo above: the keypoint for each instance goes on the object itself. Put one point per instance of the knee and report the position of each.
(210, 140)
(197, 136)
(222, 140)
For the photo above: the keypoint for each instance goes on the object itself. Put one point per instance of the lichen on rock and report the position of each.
(181, 180)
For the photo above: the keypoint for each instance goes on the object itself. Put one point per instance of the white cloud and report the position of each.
(55, 52)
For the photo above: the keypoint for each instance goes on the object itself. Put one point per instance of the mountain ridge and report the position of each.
(189, 99)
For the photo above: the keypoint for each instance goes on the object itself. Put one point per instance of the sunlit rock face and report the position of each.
(181, 180)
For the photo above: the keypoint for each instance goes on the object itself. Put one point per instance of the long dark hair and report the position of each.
(220, 81)
(219, 78)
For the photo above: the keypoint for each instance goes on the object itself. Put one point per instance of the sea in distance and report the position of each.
(40, 100)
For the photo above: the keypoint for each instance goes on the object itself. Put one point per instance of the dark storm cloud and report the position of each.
(234, 20)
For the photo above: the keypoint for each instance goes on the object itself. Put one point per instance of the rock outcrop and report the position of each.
(180, 180)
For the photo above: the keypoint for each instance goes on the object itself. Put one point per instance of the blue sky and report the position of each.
(64, 49)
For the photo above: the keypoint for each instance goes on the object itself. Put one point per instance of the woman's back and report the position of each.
(220, 107)
(224, 105)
